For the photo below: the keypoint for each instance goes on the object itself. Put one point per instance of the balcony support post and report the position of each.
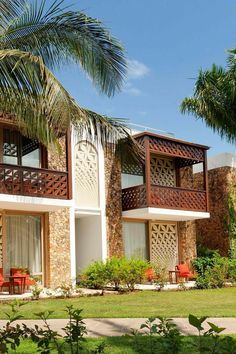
(205, 176)
(147, 171)
(69, 163)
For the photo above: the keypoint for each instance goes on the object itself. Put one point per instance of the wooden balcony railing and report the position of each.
(33, 182)
(164, 197)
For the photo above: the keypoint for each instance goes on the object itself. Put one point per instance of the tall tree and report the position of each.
(214, 98)
(35, 39)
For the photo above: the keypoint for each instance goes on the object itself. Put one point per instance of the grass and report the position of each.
(116, 345)
(214, 303)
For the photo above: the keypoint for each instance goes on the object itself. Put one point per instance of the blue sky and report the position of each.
(167, 42)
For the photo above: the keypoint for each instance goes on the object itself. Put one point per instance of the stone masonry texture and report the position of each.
(212, 232)
(187, 241)
(59, 230)
(59, 248)
(186, 229)
(113, 204)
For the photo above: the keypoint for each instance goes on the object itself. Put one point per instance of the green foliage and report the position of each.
(45, 338)
(214, 98)
(74, 330)
(36, 291)
(161, 273)
(232, 270)
(133, 272)
(201, 264)
(213, 345)
(10, 335)
(164, 337)
(231, 221)
(163, 329)
(95, 276)
(115, 271)
(38, 38)
(213, 271)
(203, 251)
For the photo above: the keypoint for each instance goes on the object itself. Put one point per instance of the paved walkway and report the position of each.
(118, 326)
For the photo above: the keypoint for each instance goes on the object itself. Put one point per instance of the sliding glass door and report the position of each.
(135, 240)
(24, 243)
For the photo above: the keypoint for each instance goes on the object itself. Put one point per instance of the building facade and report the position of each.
(59, 212)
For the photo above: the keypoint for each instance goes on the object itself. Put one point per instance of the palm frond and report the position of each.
(108, 131)
(9, 9)
(31, 92)
(214, 100)
(48, 109)
(60, 36)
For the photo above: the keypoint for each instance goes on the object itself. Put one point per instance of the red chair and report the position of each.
(3, 282)
(19, 271)
(150, 274)
(184, 272)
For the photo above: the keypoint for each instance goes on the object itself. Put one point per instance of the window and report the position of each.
(132, 174)
(135, 240)
(19, 150)
(23, 243)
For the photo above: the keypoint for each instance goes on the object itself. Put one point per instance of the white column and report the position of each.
(102, 195)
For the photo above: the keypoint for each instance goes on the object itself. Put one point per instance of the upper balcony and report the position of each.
(163, 187)
(29, 176)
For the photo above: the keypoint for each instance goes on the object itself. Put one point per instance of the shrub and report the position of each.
(115, 271)
(95, 276)
(212, 272)
(133, 271)
(161, 273)
(201, 264)
(203, 251)
(232, 269)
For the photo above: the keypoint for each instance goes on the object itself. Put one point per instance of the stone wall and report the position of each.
(186, 177)
(187, 241)
(212, 232)
(58, 243)
(113, 204)
(59, 248)
(57, 158)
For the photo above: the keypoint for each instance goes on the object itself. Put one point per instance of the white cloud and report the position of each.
(136, 69)
(131, 89)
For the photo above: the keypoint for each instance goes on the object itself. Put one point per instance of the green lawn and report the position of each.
(216, 303)
(120, 345)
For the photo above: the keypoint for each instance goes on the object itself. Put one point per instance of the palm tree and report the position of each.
(214, 99)
(34, 40)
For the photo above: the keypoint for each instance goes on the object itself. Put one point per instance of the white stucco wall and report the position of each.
(224, 159)
(88, 240)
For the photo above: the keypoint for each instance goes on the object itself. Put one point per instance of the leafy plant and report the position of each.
(133, 272)
(161, 272)
(96, 276)
(45, 338)
(66, 290)
(74, 330)
(10, 335)
(212, 271)
(213, 332)
(36, 291)
(164, 336)
(116, 271)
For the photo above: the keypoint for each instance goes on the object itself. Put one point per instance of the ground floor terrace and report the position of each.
(55, 246)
